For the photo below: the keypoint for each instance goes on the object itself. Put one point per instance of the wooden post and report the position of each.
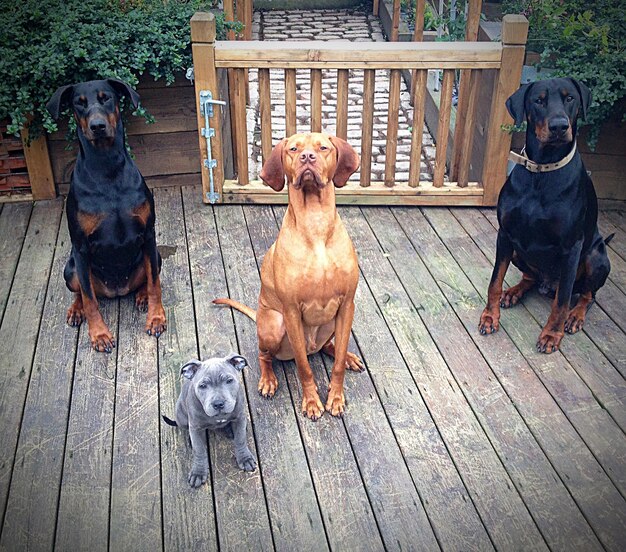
(39, 167)
(265, 109)
(395, 21)
(244, 15)
(290, 103)
(367, 126)
(443, 129)
(417, 133)
(375, 7)
(316, 100)
(393, 109)
(229, 15)
(239, 118)
(203, 51)
(418, 36)
(343, 77)
(514, 34)
(461, 129)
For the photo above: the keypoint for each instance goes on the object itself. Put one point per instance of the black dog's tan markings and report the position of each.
(110, 213)
(548, 221)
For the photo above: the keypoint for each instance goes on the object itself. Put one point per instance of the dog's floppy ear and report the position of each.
(348, 161)
(59, 100)
(516, 104)
(237, 361)
(273, 173)
(124, 89)
(585, 96)
(190, 368)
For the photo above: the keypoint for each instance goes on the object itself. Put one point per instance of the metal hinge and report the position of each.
(206, 109)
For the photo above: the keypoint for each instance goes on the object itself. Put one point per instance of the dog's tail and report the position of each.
(251, 313)
(168, 421)
(608, 239)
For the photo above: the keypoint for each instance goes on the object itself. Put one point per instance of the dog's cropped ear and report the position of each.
(273, 172)
(124, 89)
(190, 368)
(348, 161)
(60, 100)
(237, 361)
(516, 104)
(585, 96)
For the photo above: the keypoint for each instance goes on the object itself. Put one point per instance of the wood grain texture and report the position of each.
(294, 512)
(343, 77)
(265, 112)
(487, 483)
(417, 131)
(578, 468)
(242, 516)
(39, 167)
(241, 132)
(367, 126)
(30, 518)
(443, 128)
(290, 102)
(86, 485)
(20, 327)
(316, 100)
(556, 514)
(461, 167)
(392, 125)
(13, 222)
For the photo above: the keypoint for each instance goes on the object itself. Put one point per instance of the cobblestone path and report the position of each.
(347, 25)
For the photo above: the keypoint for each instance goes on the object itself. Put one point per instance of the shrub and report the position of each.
(45, 44)
(583, 42)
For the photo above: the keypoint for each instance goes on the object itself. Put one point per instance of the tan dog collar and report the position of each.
(540, 167)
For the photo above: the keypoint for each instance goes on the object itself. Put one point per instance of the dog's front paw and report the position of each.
(575, 321)
(141, 299)
(354, 363)
(268, 385)
(246, 461)
(489, 322)
(198, 476)
(102, 339)
(511, 297)
(336, 402)
(75, 316)
(156, 324)
(312, 407)
(549, 341)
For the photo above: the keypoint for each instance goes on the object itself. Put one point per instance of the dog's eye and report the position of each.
(323, 148)
(569, 99)
(104, 98)
(293, 149)
(81, 102)
(539, 101)
(202, 386)
(230, 380)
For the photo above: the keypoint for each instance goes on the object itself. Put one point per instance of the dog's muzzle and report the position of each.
(308, 175)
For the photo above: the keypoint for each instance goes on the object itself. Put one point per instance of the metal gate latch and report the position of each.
(206, 109)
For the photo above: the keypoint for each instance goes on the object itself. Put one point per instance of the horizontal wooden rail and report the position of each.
(343, 55)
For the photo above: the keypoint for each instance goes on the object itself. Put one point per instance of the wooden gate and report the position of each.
(472, 58)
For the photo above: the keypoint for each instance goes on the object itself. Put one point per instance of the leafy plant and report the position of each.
(588, 44)
(45, 44)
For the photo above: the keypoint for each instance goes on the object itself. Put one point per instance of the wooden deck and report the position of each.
(451, 440)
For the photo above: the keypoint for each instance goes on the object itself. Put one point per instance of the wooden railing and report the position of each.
(471, 57)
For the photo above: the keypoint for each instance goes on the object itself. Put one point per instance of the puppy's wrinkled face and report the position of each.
(215, 383)
(309, 160)
(551, 110)
(96, 110)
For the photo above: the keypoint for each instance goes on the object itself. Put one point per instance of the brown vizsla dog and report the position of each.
(309, 275)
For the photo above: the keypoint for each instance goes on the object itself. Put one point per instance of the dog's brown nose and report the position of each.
(308, 156)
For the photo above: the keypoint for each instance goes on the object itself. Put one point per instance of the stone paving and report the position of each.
(347, 25)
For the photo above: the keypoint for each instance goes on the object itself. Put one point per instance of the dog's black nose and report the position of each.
(98, 125)
(559, 125)
(307, 156)
(218, 405)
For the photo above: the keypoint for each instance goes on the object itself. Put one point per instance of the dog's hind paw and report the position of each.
(549, 341)
(354, 363)
(75, 317)
(197, 478)
(575, 321)
(247, 463)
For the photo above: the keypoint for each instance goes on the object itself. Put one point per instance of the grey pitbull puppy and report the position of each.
(212, 398)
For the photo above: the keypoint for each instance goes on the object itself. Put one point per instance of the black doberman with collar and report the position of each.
(110, 213)
(548, 214)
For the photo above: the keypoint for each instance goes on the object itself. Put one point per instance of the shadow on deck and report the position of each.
(450, 439)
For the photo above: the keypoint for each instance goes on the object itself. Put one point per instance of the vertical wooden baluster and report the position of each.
(265, 108)
(290, 102)
(418, 36)
(417, 134)
(466, 147)
(369, 79)
(342, 103)
(240, 125)
(395, 21)
(443, 128)
(316, 100)
(392, 127)
(229, 15)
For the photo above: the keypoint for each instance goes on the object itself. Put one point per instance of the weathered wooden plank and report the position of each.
(86, 485)
(294, 512)
(344, 504)
(265, 112)
(343, 77)
(443, 128)
(316, 100)
(135, 477)
(241, 133)
(578, 468)
(367, 126)
(393, 108)
(20, 327)
(605, 382)
(13, 223)
(618, 218)
(607, 227)
(30, 518)
(418, 97)
(183, 528)
(488, 484)
(552, 507)
(290, 102)
(242, 516)
(389, 393)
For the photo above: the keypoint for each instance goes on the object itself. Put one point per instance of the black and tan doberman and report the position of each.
(110, 213)
(548, 213)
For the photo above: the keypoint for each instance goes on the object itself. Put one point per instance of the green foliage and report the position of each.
(584, 42)
(408, 8)
(45, 44)
(453, 28)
